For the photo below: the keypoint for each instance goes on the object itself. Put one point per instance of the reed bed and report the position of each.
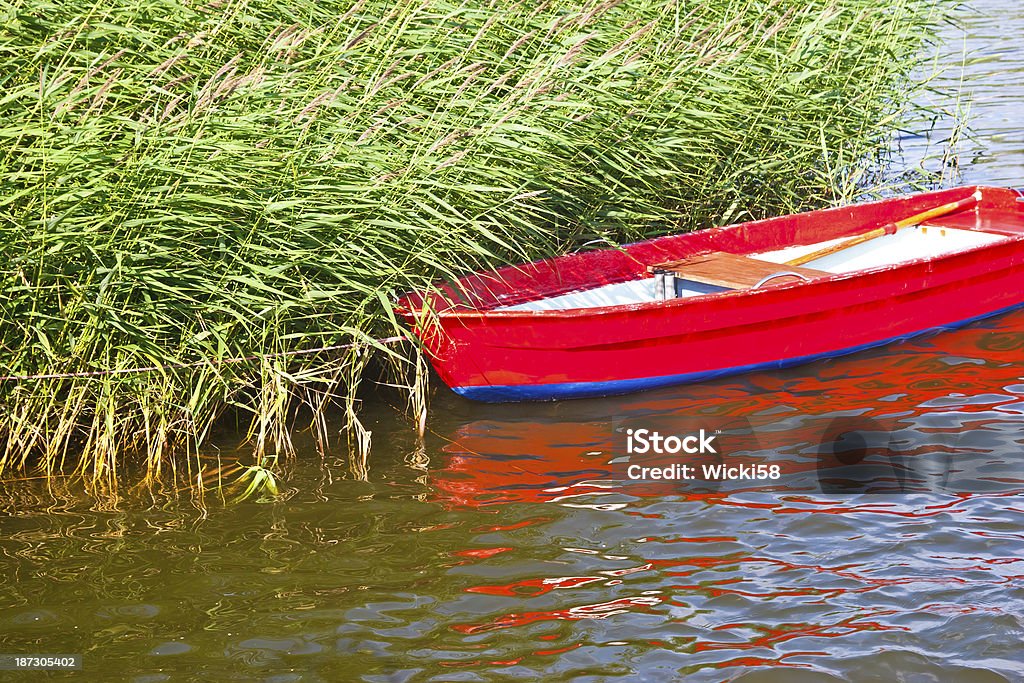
(200, 190)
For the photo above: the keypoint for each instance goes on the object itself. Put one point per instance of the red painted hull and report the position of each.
(535, 355)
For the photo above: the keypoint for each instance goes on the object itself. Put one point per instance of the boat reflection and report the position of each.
(938, 414)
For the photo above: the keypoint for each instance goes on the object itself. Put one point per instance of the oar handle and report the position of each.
(888, 229)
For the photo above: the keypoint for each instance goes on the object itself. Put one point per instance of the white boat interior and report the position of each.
(923, 241)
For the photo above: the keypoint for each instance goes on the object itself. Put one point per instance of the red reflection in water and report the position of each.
(534, 458)
(780, 634)
(559, 650)
(566, 455)
(534, 587)
(940, 608)
(482, 553)
(601, 610)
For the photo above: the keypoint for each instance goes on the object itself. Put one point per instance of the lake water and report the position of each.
(510, 544)
(983, 66)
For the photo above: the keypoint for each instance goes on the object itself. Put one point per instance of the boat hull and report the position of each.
(499, 356)
(614, 387)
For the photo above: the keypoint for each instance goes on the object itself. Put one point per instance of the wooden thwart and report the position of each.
(734, 271)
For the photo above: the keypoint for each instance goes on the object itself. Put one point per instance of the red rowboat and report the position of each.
(758, 295)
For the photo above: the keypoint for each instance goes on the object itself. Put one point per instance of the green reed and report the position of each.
(185, 183)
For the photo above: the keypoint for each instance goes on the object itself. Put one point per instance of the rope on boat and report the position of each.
(194, 364)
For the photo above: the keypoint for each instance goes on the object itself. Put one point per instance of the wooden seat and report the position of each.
(733, 271)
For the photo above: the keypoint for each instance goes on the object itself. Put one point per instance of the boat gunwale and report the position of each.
(455, 313)
(595, 311)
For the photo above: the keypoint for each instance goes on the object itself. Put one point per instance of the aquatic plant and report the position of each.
(194, 198)
(255, 480)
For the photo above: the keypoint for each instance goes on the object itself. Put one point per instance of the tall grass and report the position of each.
(185, 183)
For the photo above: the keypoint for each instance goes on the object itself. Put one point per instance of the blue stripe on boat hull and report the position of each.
(552, 392)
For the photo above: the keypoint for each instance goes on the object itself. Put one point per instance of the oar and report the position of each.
(888, 229)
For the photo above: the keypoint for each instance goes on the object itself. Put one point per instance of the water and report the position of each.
(511, 546)
(980, 81)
